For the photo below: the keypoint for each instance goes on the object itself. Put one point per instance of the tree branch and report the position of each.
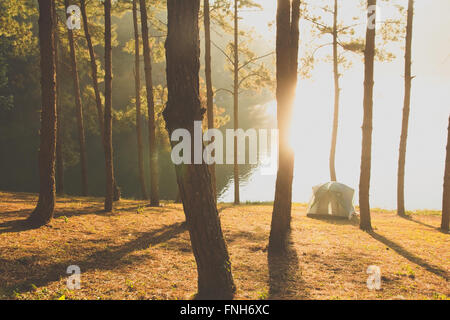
(255, 59)
(223, 52)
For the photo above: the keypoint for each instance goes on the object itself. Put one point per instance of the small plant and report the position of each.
(263, 294)
(130, 284)
(61, 294)
(440, 296)
(410, 272)
(140, 210)
(407, 271)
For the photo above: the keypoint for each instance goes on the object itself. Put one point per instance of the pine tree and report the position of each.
(154, 185)
(446, 195)
(109, 166)
(79, 110)
(406, 109)
(366, 150)
(215, 280)
(288, 16)
(209, 86)
(137, 83)
(45, 208)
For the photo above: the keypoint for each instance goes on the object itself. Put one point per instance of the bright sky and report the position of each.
(430, 108)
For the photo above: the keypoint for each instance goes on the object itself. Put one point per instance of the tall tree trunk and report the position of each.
(366, 151)
(45, 208)
(153, 152)
(93, 64)
(446, 195)
(94, 75)
(209, 86)
(109, 166)
(215, 280)
(287, 64)
(137, 84)
(336, 94)
(79, 110)
(237, 199)
(59, 127)
(405, 120)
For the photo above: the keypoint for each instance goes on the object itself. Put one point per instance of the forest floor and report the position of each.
(139, 252)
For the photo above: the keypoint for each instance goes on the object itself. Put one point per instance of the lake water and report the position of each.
(312, 134)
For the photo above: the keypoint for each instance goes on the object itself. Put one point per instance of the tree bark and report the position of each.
(109, 166)
(137, 83)
(287, 64)
(94, 75)
(366, 151)
(406, 109)
(336, 94)
(79, 111)
(446, 194)
(93, 65)
(59, 127)
(153, 152)
(45, 208)
(209, 86)
(237, 199)
(215, 280)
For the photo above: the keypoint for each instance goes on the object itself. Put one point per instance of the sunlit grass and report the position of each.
(140, 252)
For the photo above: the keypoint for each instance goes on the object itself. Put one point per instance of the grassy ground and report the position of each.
(144, 253)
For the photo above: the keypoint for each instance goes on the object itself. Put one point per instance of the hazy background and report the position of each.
(430, 108)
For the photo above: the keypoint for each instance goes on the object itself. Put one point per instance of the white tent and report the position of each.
(331, 199)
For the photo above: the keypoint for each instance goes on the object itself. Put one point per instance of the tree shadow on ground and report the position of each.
(408, 218)
(105, 259)
(285, 280)
(246, 235)
(20, 224)
(16, 213)
(410, 256)
(81, 212)
(16, 226)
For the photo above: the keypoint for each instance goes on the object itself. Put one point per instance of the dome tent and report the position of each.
(331, 199)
